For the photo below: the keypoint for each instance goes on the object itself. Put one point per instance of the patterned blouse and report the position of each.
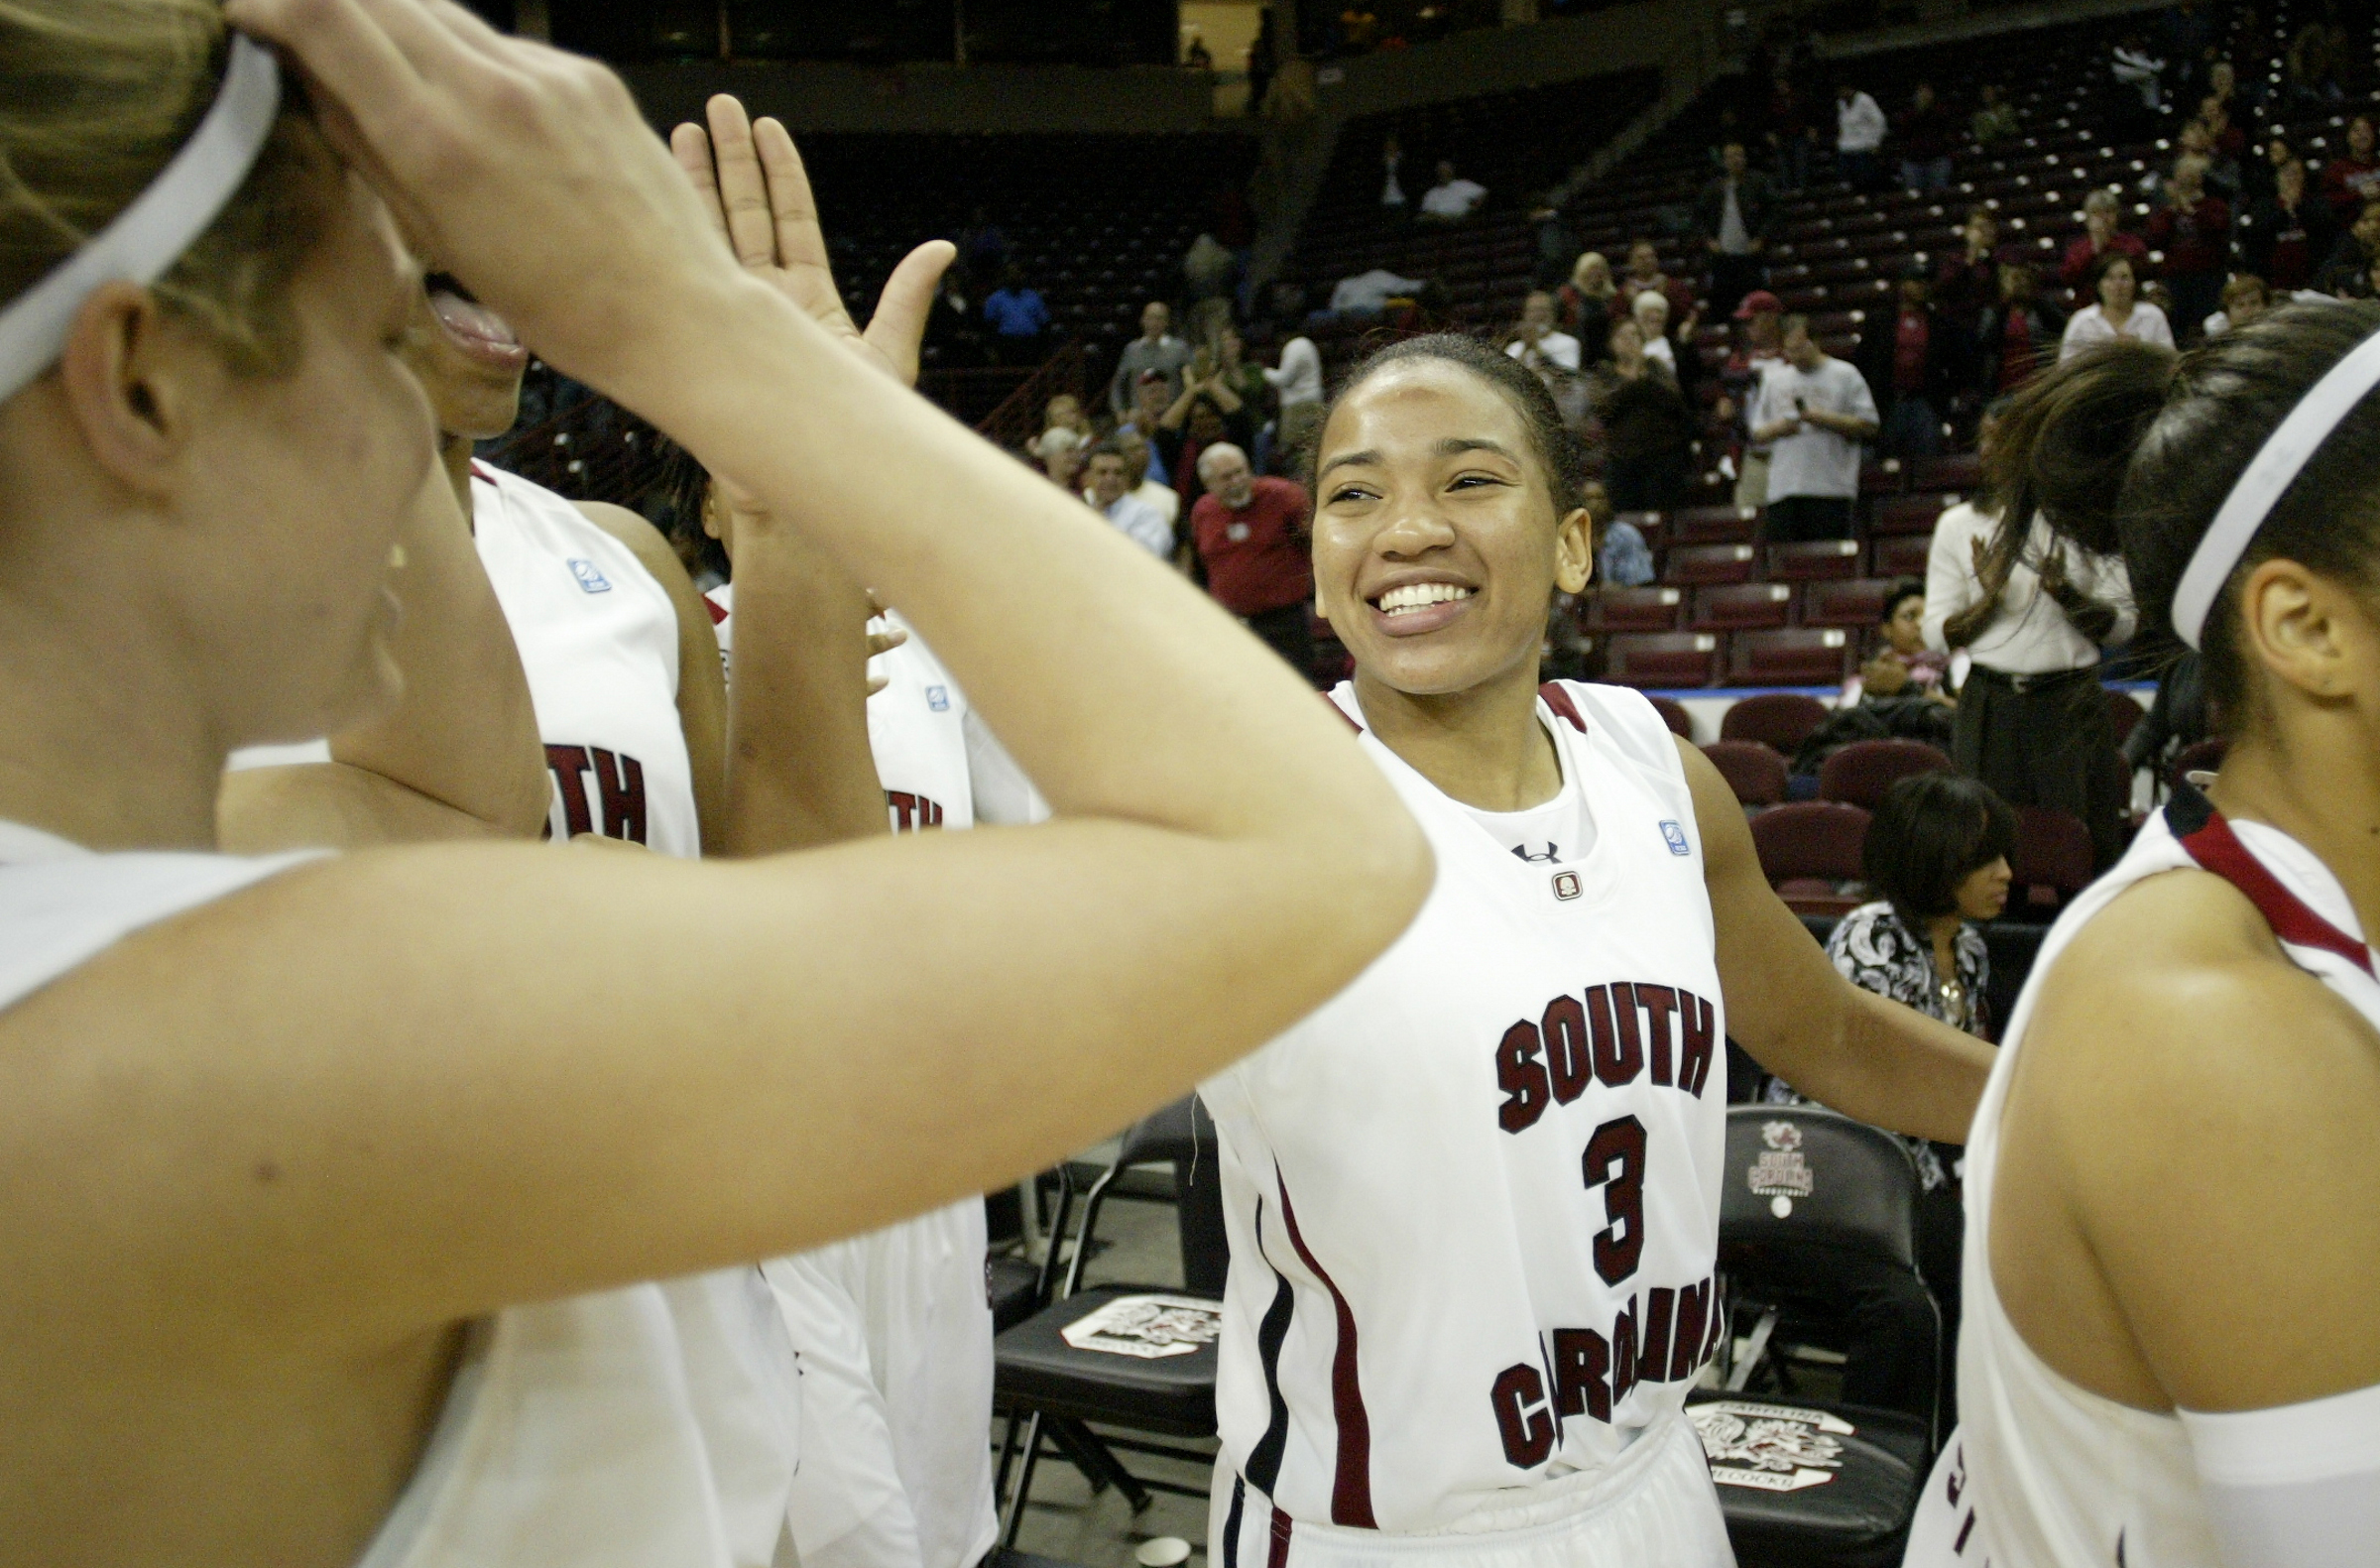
(1874, 951)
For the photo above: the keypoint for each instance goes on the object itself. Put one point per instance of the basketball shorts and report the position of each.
(1655, 1508)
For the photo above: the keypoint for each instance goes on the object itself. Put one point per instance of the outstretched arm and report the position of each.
(457, 758)
(1847, 1049)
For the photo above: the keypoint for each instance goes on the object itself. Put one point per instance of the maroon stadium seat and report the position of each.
(1854, 603)
(1876, 479)
(1801, 655)
(1898, 515)
(1958, 472)
(1781, 720)
(1755, 772)
(1673, 713)
(1714, 525)
(1904, 556)
(1811, 559)
(2051, 862)
(1862, 771)
(1743, 606)
(1662, 658)
(1700, 566)
(1649, 524)
(1808, 849)
(2124, 713)
(1633, 608)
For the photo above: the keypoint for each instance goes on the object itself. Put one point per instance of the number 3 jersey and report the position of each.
(1473, 1202)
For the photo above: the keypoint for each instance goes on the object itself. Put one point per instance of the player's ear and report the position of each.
(1574, 552)
(130, 381)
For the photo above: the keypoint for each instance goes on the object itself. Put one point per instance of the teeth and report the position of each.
(1419, 595)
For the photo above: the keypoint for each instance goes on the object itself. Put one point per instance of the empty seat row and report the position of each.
(1799, 655)
(1853, 604)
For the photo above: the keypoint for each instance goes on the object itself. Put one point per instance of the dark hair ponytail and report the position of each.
(2129, 447)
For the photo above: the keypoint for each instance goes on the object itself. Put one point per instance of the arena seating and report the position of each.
(1810, 851)
(1862, 771)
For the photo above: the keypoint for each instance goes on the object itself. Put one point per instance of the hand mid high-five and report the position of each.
(758, 195)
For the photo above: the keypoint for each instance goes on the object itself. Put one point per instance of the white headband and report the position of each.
(150, 235)
(2276, 466)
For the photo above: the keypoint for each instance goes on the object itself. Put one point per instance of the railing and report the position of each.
(1017, 417)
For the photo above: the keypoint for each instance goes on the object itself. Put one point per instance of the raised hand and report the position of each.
(757, 195)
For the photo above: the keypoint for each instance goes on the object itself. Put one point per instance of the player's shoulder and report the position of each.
(1619, 716)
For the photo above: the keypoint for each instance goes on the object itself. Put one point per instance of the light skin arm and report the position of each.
(457, 758)
(1847, 1049)
(408, 1086)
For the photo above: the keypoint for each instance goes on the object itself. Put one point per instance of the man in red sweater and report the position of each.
(1250, 534)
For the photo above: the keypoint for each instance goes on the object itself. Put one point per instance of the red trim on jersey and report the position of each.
(480, 470)
(1559, 700)
(1350, 1481)
(1278, 1555)
(2217, 849)
(718, 610)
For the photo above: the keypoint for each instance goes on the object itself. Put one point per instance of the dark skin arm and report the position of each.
(1869, 1057)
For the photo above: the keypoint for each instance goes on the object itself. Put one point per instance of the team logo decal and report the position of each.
(1566, 885)
(1769, 1447)
(590, 579)
(1782, 1175)
(1676, 836)
(938, 698)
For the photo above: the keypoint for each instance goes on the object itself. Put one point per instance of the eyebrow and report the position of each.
(1451, 446)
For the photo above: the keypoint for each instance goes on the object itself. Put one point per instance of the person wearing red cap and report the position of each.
(1758, 345)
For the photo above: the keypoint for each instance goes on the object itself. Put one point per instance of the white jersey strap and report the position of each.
(2299, 1484)
(150, 235)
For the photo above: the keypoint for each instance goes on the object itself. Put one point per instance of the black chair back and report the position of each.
(1802, 1177)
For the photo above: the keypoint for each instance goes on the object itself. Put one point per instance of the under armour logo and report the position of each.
(1551, 857)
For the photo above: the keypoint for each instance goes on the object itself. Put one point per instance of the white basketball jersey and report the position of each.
(598, 640)
(614, 1430)
(1473, 1201)
(2043, 1473)
(938, 762)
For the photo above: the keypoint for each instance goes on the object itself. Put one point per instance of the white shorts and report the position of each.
(1655, 1509)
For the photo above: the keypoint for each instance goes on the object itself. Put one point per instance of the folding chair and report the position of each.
(1050, 1387)
(1805, 1483)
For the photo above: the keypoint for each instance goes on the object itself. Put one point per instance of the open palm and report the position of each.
(758, 193)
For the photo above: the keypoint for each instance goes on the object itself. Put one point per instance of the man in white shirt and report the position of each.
(1111, 476)
(1368, 293)
(1299, 383)
(1859, 131)
(2033, 722)
(1535, 342)
(1155, 494)
(1452, 199)
(1814, 410)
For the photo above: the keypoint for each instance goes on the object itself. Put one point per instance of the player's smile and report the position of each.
(1411, 604)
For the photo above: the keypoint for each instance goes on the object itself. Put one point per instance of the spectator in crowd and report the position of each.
(1537, 343)
(1264, 59)
(1113, 483)
(1297, 382)
(1583, 306)
(1368, 293)
(1792, 134)
(1392, 157)
(2315, 67)
(1902, 665)
(1065, 413)
(2140, 78)
(1019, 318)
(1208, 266)
(2351, 179)
(1247, 380)
(1557, 247)
(1159, 497)
(1650, 312)
(2120, 312)
(1994, 119)
(954, 337)
(1759, 343)
(1936, 858)
(1250, 534)
(1197, 56)
(1150, 400)
(1968, 283)
(2103, 231)
(1645, 272)
(1733, 214)
(1060, 454)
(2033, 613)
(1157, 349)
(2352, 259)
(1923, 136)
(1623, 559)
(2193, 141)
(1813, 412)
(2260, 171)
(1452, 199)
(1648, 431)
(1858, 136)
(2245, 299)
(1206, 414)
(2194, 231)
(2226, 145)
(2286, 236)
(1914, 366)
